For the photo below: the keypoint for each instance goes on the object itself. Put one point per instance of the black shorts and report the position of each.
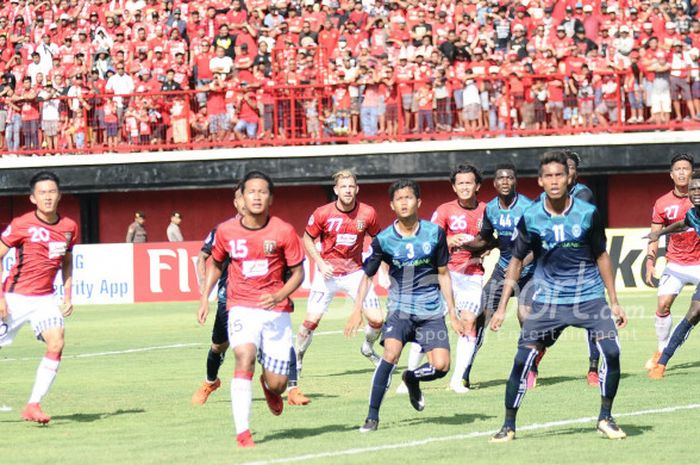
(430, 332)
(546, 322)
(219, 334)
(493, 290)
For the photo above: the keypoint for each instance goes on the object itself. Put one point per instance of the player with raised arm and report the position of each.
(572, 273)
(417, 254)
(340, 227)
(682, 251)
(501, 215)
(682, 331)
(261, 248)
(461, 220)
(44, 242)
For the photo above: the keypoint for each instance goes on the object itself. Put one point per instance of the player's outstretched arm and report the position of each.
(4, 312)
(606, 273)
(212, 276)
(655, 234)
(67, 273)
(515, 266)
(446, 289)
(325, 268)
(479, 244)
(355, 320)
(296, 277)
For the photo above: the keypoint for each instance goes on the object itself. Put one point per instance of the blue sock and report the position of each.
(517, 382)
(593, 352)
(293, 377)
(380, 384)
(609, 374)
(680, 334)
(426, 372)
(214, 362)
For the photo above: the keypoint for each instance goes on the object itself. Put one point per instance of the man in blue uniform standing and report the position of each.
(417, 254)
(572, 273)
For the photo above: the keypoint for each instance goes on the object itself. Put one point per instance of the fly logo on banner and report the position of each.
(165, 271)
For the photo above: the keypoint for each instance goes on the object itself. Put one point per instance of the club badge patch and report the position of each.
(269, 247)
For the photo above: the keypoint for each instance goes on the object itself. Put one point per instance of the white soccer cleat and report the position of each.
(5, 408)
(367, 351)
(402, 389)
(458, 387)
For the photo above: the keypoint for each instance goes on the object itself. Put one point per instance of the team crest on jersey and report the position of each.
(269, 247)
(360, 224)
(68, 236)
(427, 248)
(576, 230)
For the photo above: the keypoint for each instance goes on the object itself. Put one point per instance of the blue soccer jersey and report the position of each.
(413, 263)
(223, 280)
(566, 248)
(581, 191)
(503, 221)
(692, 220)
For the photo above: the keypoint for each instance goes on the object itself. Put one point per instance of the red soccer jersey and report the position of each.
(682, 248)
(259, 258)
(342, 234)
(40, 248)
(455, 219)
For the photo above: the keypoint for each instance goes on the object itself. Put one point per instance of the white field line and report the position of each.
(460, 437)
(142, 349)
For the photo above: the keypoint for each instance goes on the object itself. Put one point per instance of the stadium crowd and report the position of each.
(78, 73)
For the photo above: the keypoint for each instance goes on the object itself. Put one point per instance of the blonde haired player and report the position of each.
(340, 227)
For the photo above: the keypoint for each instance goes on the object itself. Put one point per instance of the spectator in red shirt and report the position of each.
(248, 115)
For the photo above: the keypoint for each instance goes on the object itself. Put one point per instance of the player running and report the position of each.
(44, 242)
(461, 220)
(682, 331)
(261, 249)
(417, 255)
(682, 251)
(340, 227)
(572, 273)
(501, 215)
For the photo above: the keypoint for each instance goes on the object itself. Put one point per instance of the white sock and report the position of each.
(664, 325)
(372, 334)
(415, 355)
(45, 375)
(466, 345)
(241, 402)
(304, 337)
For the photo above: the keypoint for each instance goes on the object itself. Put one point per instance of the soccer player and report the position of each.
(682, 331)
(340, 227)
(682, 250)
(44, 242)
(461, 220)
(572, 273)
(501, 215)
(261, 249)
(417, 254)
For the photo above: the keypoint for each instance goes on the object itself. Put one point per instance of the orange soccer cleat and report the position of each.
(657, 372)
(32, 412)
(205, 390)
(296, 397)
(274, 400)
(651, 363)
(245, 440)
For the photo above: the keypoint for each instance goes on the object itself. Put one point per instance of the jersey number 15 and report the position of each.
(239, 248)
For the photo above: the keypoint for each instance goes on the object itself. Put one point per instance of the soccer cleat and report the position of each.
(651, 363)
(415, 396)
(531, 380)
(5, 408)
(367, 351)
(458, 387)
(609, 428)
(370, 425)
(296, 397)
(32, 412)
(274, 400)
(593, 378)
(657, 372)
(402, 389)
(205, 390)
(505, 434)
(245, 440)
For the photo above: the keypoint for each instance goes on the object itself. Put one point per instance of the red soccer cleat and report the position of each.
(593, 379)
(32, 412)
(245, 440)
(274, 400)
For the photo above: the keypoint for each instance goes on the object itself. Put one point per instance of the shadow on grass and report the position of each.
(631, 430)
(456, 419)
(684, 366)
(300, 433)
(349, 373)
(90, 417)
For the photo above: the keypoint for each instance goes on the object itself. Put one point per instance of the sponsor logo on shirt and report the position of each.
(57, 249)
(254, 268)
(346, 239)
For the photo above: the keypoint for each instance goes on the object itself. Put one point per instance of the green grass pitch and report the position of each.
(123, 397)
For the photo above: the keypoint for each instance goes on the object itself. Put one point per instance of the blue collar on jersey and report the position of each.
(564, 213)
(398, 234)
